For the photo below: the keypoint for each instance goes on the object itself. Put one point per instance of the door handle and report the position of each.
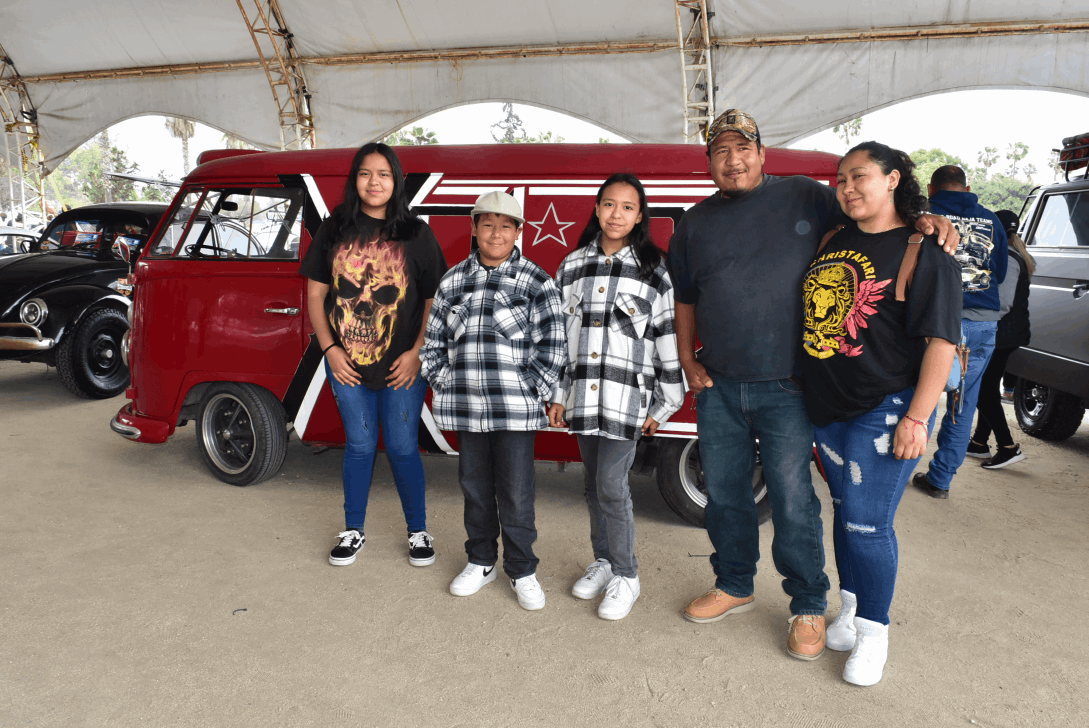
(1080, 288)
(285, 311)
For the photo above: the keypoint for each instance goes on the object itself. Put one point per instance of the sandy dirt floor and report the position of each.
(138, 590)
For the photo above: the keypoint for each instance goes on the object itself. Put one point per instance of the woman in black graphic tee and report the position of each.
(374, 268)
(874, 368)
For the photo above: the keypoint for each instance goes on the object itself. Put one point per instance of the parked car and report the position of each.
(222, 337)
(1052, 389)
(15, 240)
(60, 303)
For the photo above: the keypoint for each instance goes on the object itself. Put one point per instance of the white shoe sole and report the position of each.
(468, 591)
(421, 562)
(1011, 461)
(978, 455)
(344, 562)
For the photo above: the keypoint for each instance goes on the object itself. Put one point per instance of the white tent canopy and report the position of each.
(371, 67)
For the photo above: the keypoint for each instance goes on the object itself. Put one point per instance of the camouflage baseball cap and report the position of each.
(733, 120)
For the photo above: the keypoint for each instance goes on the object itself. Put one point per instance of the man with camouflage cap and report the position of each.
(737, 261)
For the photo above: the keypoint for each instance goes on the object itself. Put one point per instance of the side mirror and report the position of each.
(122, 250)
(228, 206)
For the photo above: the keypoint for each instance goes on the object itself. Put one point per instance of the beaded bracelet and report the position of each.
(328, 348)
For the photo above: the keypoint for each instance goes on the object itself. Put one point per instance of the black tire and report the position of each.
(241, 433)
(1045, 412)
(89, 357)
(680, 480)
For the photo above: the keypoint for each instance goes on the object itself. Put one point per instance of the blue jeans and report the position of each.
(867, 481)
(397, 411)
(605, 466)
(953, 437)
(496, 474)
(729, 416)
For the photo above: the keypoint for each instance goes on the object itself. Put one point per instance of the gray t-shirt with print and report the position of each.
(740, 261)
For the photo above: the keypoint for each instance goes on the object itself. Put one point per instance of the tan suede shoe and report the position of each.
(716, 604)
(806, 637)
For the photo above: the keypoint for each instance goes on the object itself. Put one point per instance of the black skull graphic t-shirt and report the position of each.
(377, 290)
(860, 344)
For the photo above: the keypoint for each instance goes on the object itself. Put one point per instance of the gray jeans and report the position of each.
(612, 525)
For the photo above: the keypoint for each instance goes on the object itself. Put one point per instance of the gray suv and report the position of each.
(1053, 370)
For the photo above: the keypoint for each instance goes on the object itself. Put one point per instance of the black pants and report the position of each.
(496, 474)
(991, 414)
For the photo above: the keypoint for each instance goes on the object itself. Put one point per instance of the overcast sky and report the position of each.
(962, 123)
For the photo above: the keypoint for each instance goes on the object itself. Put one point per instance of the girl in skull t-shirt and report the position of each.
(374, 268)
(377, 290)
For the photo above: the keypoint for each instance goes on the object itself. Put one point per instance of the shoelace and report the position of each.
(346, 537)
(810, 619)
(612, 591)
(419, 540)
(593, 570)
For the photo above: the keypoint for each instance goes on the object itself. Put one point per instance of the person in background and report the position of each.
(493, 354)
(983, 259)
(373, 268)
(878, 347)
(623, 376)
(1013, 333)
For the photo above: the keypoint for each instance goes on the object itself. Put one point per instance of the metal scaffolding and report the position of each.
(21, 152)
(698, 96)
(284, 71)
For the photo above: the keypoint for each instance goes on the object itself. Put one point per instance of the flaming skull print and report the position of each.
(370, 282)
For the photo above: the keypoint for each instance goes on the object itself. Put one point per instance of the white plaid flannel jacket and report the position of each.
(494, 346)
(622, 361)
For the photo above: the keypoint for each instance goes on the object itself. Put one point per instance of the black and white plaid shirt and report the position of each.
(494, 346)
(622, 361)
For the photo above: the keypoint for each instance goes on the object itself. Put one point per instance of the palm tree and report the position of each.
(182, 129)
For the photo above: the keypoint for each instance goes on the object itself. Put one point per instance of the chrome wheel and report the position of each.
(228, 434)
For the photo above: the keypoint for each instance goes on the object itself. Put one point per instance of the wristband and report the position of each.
(920, 423)
(328, 348)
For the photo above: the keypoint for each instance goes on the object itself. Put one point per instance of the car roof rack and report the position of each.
(1074, 155)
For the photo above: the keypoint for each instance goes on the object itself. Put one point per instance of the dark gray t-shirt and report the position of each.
(741, 262)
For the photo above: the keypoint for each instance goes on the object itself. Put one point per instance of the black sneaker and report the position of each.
(1005, 456)
(923, 483)
(421, 548)
(351, 543)
(975, 450)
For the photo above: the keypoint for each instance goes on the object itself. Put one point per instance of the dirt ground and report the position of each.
(139, 590)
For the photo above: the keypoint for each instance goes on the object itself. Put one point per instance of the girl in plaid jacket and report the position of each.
(623, 374)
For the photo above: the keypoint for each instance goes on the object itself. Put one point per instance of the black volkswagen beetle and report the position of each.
(60, 304)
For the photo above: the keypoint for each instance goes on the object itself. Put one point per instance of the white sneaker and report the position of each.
(471, 578)
(840, 635)
(620, 595)
(871, 652)
(594, 580)
(530, 594)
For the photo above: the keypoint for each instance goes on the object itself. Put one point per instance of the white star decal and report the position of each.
(555, 224)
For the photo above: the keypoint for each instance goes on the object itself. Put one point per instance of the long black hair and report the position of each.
(642, 245)
(908, 197)
(401, 222)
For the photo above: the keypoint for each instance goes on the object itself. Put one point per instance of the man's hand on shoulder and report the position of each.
(948, 237)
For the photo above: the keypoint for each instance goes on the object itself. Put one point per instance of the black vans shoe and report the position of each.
(421, 548)
(351, 543)
(1005, 456)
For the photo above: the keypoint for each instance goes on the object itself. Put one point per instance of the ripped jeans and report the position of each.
(362, 410)
(867, 481)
